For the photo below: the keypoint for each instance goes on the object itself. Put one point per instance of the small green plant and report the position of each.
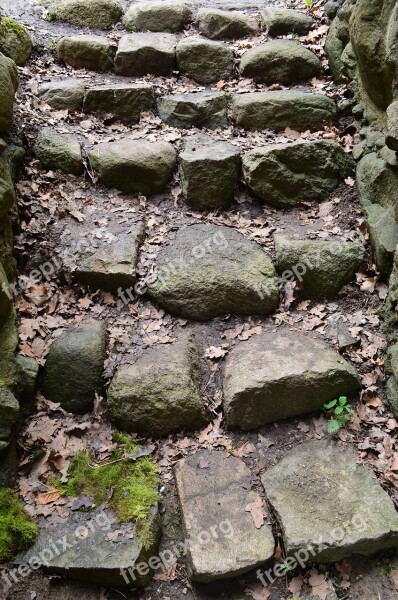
(309, 3)
(340, 411)
(129, 486)
(17, 530)
(51, 44)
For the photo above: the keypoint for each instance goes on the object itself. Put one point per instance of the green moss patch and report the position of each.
(129, 487)
(17, 530)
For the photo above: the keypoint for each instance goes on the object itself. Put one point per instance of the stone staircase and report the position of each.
(325, 506)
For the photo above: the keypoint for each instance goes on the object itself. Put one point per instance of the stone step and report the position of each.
(220, 533)
(141, 54)
(280, 375)
(121, 100)
(208, 271)
(96, 14)
(220, 24)
(205, 61)
(279, 61)
(280, 109)
(197, 109)
(67, 94)
(321, 267)
(87, 52)
(328, 506)
(282, 21)
(285, 174)
(74, 365)
(209, 172)
(159, 393)
(134, 165)
(59, 151)
(89, 553)
(166, 16)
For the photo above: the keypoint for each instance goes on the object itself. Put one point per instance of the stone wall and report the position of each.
(363, 46)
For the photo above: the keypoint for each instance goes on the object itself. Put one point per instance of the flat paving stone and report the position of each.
(121, 100)
(328, 504)
(222, 539)
(280, 375)
(208, 271)
(140, 54)
(280, 109)
(196, 109)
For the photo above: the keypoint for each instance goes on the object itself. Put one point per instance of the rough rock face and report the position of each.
(121, 100)
(204, 60)
(209, 172)
(8, 86)
(112, 266)
(280, 109)
(140, 54)
(7, 197)
(134, 165)
(15, 41)
(67, 94)
(198, 109)
(59, 151)
(165, 16)
(9, 415)
(321, 267)
(285, 174)
(159, 393)
(208, 271)
(376, 182)
(95, 558)
(282, 21)
(369, 25)
(283, 374)
(87, 51)
(392, 382)
(5, 301)
(74, 365)
(95, 14)
(392, 126)
(383, 234)
(222, 539)
(279, 61)
(334, 48)
(302, 489)
(218, 24)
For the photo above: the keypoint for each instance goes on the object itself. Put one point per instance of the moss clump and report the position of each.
(17, 530)
(134, 483)
(11, 26)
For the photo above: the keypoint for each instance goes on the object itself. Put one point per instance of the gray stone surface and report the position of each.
(7, 197)
(9, 415)
(159, 393)
(392, 126)
(205, 61)
(377, 182)
(140, 54)
(383, 235)
(285, 174)
(121, 100)
(5, 301)
(74, 365)
(280, 375)
(322, 496)
(8, 86)
(134, 165)
(112, 266)
(28, 372)
(168, 16)
(96, 14)
(95, 558)
(64, 94)
(322, 267)
(208, 271)
(222, 538)
(209, 172)
(219, 24)
(87, 51)
(279, 61)
(59, 151)
(334, 48)
(392, 382)
(197, 109)
(280, 109)
(15, 41)
(282, 21)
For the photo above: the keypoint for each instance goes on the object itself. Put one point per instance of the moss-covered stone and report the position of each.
(383, 235)
(159, 393)
(8, 346)
(8, 86)
(282, 21)
(208, 271)
(219, 24)
(164, 16)
(74, 365)
(59, 151)
(5, 295)
(15, 41)
(197, 109)
(334, 48)
(87, 51)
(203, 60)
(285, 174)
(279, 61)
(17, 530)
(377, 183)
(65, 94)
(96, 14)
(140, 54)
(126, 101)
